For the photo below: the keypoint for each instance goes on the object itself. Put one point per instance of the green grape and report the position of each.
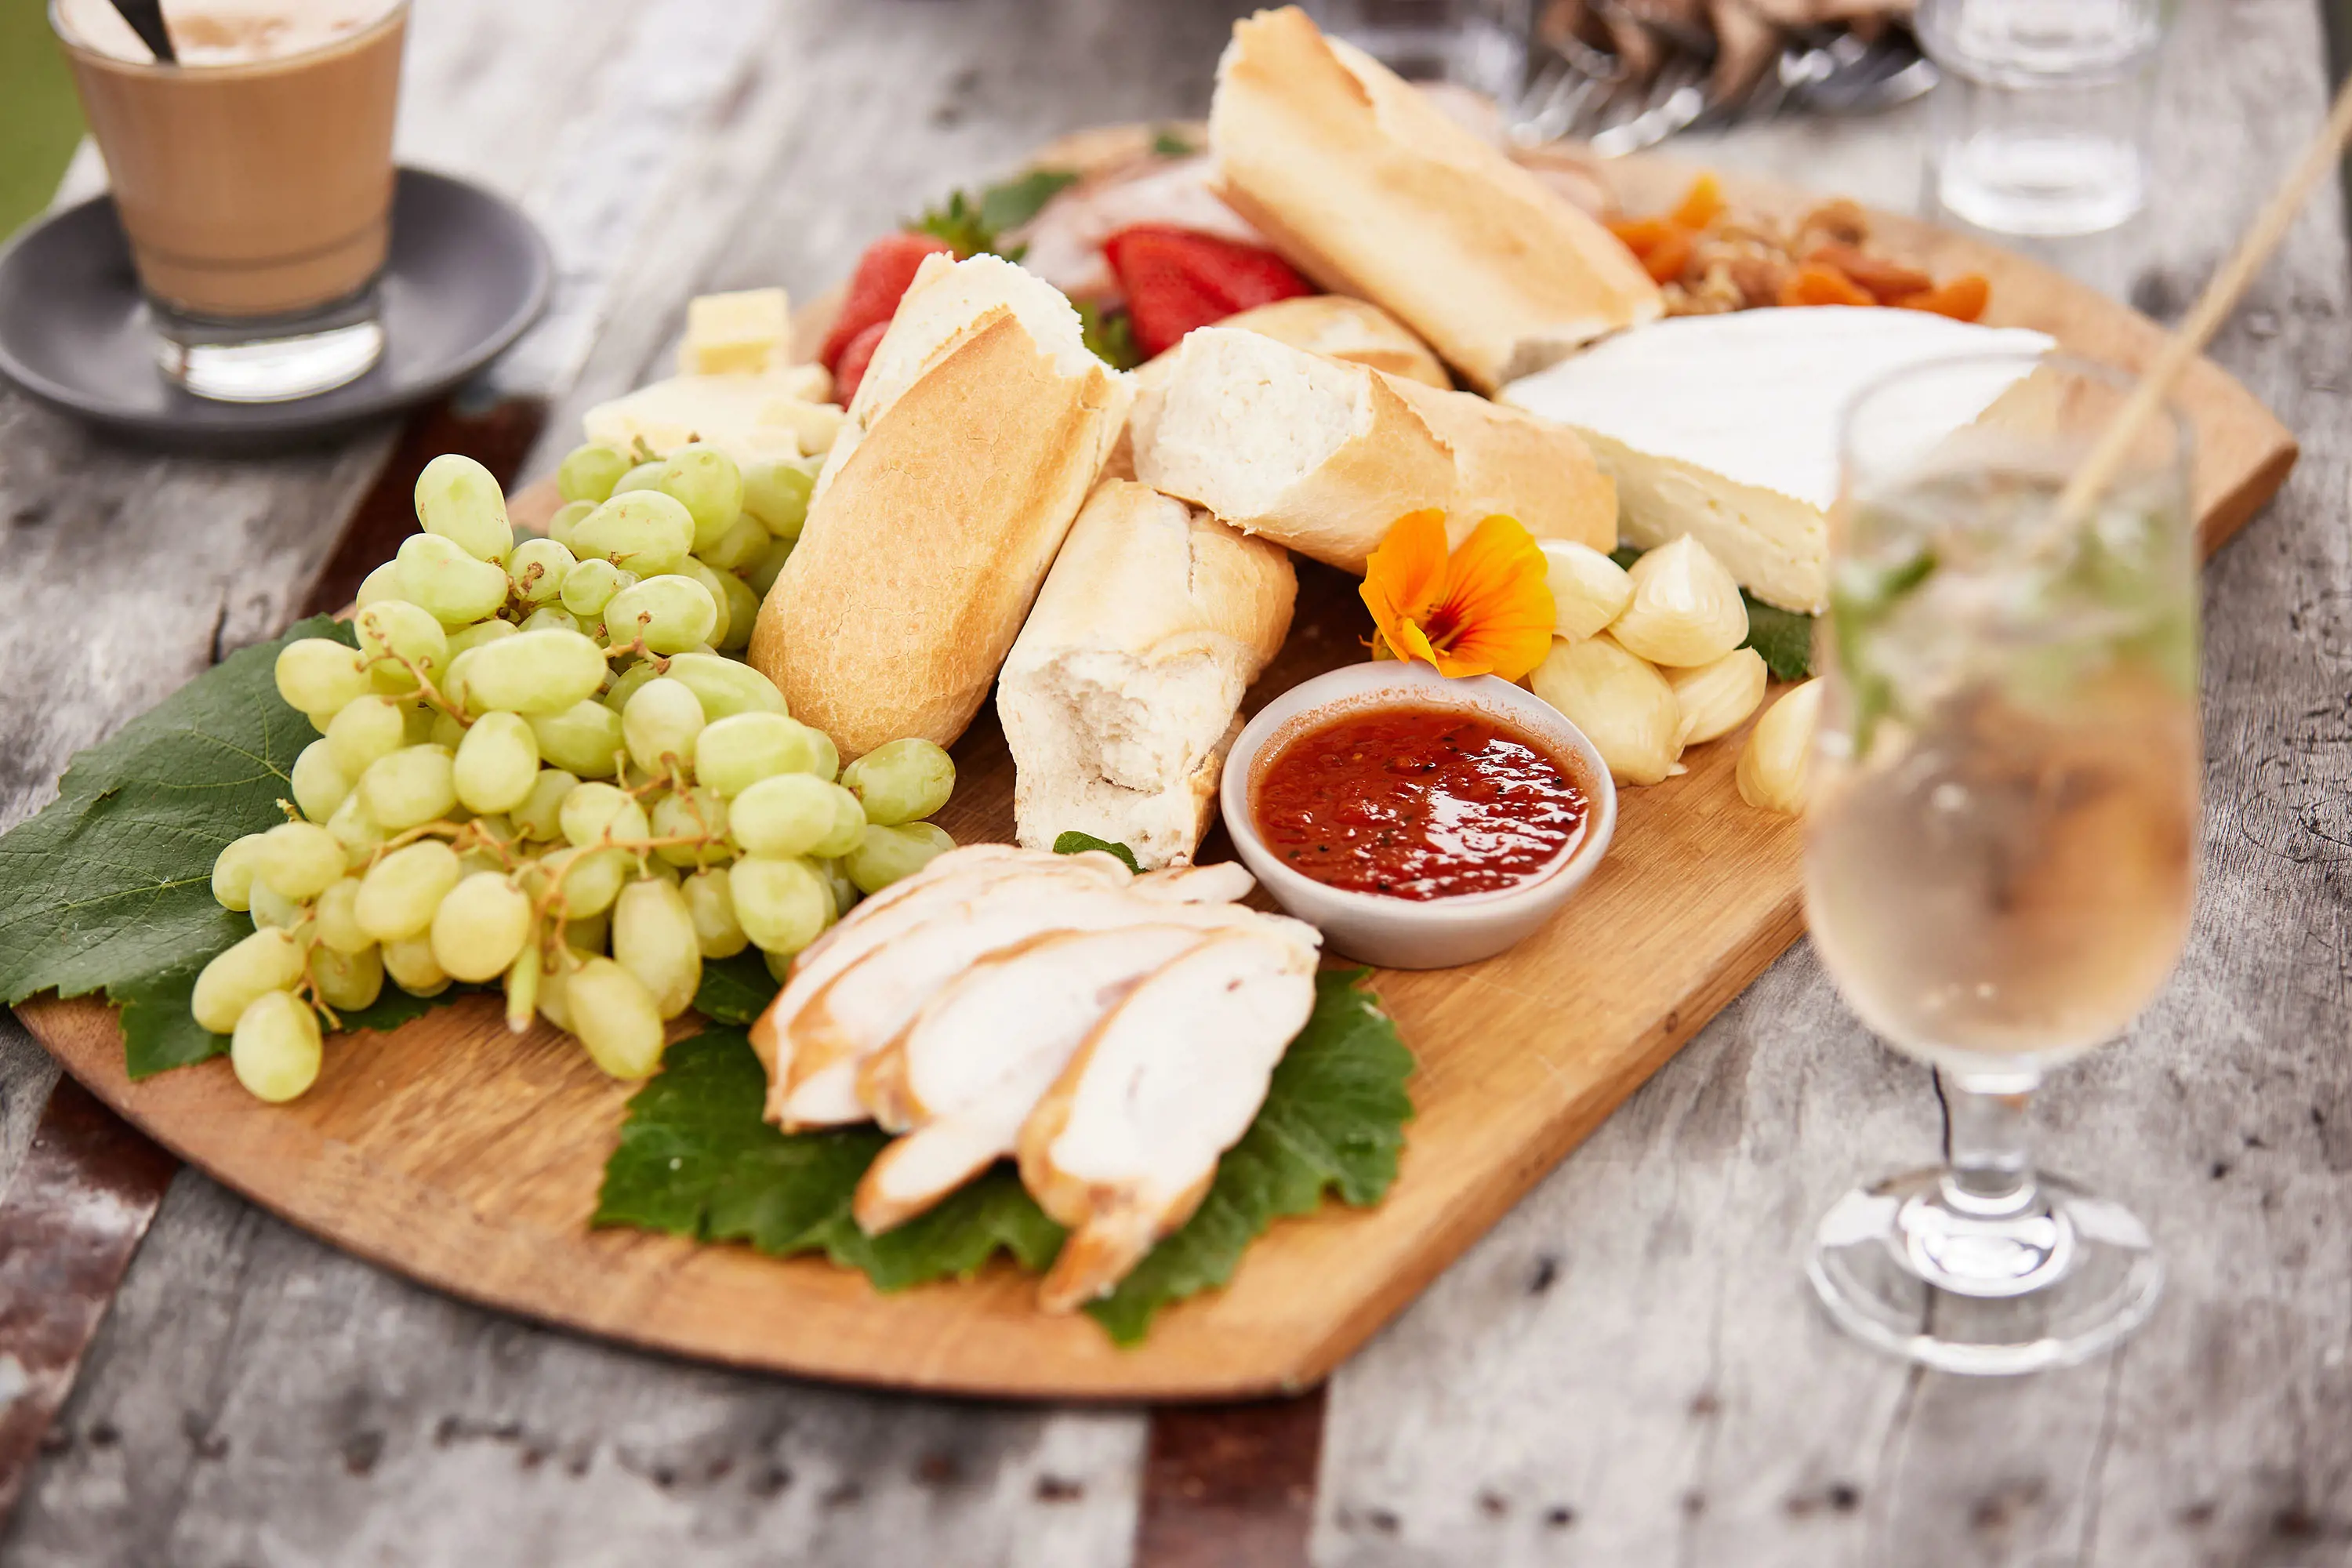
(400, 892)
(725, 686)
(710, 904)
(901, 781)
(537, 570)
(232, 872)
(584, 739)
(848, 826)
(660, 722)
(532, 673)
(741, 608)
(846, 893)
(320, 675)
(497, 763)
(521, 987)
(448, 733)
(413, 968)
(595, 812)
(885, 854)
(355, 830)
(299, 859)
(414, 785)
(589, 586)
(554, 983)
(738, 549)
(274, 909)
(468, 639)
(779, 965)
(653, 939)
(616, 1018)
(590, 880)
(588, 933)
(394, 630)
(481, 927)
(459, 499)
(590, 472)
(783, 816)
(706, 481)
(538, 817)
(417, 721)
(645, 530)
(269, 960)
(347, 982)
(317, 784)
(734, 752)
(337, 917)
(643, 477)
(695, 814)
(383, 583)
(479, 858)
(783, 905)
(274, 1049)
(320, 722)
(670, 614)
(633, 674)
(714, 585)
(436, 575)
(777, 493)
(763, 575)
(362, 732)
(565, 519)
(550, 619)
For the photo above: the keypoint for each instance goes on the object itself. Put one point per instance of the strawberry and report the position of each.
(875, 290)
(1176, 279)
(855, 355)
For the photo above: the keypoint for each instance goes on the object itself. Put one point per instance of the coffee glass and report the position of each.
(254, 180)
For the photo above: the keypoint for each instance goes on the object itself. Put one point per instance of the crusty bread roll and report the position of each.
(1119, 699)
(1323, 456)
(1372, 190)
(972, 441)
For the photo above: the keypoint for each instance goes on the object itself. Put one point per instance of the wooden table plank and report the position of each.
(1631, 1368)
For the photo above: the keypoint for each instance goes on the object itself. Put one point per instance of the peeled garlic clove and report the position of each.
(1717, 698)
(1773, 767)
(1625, 708)
(1587, 589)
(1685, 608)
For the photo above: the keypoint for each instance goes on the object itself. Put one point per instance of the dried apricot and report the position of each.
(1666, 261)
(1701, 204)
(1963, 299)
(1886, 281)
(1641, 234)
(1815, 283)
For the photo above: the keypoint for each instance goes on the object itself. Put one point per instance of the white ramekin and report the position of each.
(1411, 933)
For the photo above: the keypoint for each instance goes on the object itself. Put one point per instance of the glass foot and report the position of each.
(1916, 1268)
(272, 361)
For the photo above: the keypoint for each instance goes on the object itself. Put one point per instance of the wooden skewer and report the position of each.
(2205, 318)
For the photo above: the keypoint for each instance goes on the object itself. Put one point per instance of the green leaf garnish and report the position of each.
(1110, 334)
(974, 226)
(1783, 638)
(1168, 142)
(1626, 554)
(1076, 843)
(696, 1158)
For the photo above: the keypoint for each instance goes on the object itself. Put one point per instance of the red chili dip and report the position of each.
(1417, 803)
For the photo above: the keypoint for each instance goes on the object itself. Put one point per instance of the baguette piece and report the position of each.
(1118, 700)
(974, 438)
(1372, 190)
(1322, 457)
(1334, 325)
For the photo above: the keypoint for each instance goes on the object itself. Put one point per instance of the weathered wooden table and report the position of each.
(1630, 1371)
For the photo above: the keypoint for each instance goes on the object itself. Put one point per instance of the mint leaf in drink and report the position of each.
(696, 1158)
(109, 888)
(1783, 638)
(1076, 843)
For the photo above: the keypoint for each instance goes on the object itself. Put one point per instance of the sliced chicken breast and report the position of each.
(1125, 1144)
(965, 1074)
(864, 1006)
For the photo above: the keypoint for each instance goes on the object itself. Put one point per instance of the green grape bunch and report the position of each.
(541, 768)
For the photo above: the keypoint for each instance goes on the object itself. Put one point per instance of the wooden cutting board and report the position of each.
(469, 1158)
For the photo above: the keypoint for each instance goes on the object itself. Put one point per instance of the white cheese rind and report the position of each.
(1726, 428)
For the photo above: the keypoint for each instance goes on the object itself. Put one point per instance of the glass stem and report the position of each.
(1988, 1169)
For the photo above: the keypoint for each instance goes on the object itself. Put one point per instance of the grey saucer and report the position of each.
(467, 273)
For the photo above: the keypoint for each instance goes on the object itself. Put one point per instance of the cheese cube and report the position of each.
(742, 333)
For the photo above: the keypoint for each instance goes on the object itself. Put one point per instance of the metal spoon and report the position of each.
(146, 19)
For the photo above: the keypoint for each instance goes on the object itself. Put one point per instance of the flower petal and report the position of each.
(1403, 579)
(1497, 601)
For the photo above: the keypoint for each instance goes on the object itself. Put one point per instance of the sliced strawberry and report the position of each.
(1176, 279)
(855, 355)
(875, 289)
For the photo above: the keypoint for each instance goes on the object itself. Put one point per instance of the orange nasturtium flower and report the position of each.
(1485, 609)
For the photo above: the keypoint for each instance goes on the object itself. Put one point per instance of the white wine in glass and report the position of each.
(2002, 841)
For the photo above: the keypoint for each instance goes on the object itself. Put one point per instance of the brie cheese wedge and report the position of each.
(1726, 428)
(750, 417)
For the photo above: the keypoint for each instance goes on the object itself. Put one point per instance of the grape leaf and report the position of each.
(109, 888)
(696, 1158)
(735, 990)
(1076, 843)
(1783, 638)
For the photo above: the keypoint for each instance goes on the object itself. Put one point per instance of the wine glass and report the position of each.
(2001, 845)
